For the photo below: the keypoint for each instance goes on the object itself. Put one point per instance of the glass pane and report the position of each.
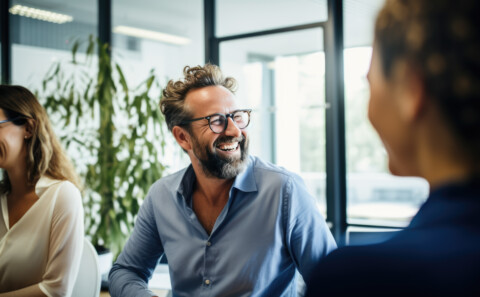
(161, 35)
(282, 78)
(237, 17)
(358, 21)
(374, 196)
(37, 43)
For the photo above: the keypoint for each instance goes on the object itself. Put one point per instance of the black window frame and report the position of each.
(334, 99)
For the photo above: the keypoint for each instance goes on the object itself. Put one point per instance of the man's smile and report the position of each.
(228, 147)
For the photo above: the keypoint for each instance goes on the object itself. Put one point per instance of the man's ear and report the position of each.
(410, 91)
(182, 137)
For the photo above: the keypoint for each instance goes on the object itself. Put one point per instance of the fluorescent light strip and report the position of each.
(40, 14)
(154, 35)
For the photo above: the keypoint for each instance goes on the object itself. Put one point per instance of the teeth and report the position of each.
(228, 147)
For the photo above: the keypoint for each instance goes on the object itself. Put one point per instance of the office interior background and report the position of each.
(300, 64)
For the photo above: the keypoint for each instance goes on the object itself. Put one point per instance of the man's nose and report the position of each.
(232, 129)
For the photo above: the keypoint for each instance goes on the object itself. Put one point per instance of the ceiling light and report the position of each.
(40, 14)
(154, 35)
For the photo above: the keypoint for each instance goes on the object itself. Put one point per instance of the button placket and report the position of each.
(207, 282)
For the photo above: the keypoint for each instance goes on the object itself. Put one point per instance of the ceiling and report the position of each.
(233, 16)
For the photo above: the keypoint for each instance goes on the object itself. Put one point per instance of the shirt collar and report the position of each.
(184, 185)
(245, 181)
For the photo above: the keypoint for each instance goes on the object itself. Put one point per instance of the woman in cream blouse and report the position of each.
(41, 214)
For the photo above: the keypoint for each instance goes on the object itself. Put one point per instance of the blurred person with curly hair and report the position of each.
(425, 105)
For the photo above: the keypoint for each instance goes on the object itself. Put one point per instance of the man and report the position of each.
(229, 224)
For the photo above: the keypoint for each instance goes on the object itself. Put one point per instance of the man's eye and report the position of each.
(218, 121)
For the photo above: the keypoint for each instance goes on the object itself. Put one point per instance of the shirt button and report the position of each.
(207, 282)
(209, 243)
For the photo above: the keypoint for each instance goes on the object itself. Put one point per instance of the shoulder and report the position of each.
(358, 264)
(360, 254)
(397, 267)
(163, 190)
(266, 170)
(374, 261)
(170, 182)
(67, 196)
(270, 176)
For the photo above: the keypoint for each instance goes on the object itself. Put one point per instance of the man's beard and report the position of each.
(221, 167)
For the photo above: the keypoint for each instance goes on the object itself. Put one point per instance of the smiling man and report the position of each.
(229, 224)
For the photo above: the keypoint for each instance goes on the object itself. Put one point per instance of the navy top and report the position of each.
(438, 254)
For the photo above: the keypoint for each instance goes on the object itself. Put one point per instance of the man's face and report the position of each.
(221, 155)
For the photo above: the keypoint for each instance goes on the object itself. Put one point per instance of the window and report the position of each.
(159, 36)
(282, 78)
(237, 17)
(37, 42)
(164, 36)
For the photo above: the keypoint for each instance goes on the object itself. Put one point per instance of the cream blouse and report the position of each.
(43, 249)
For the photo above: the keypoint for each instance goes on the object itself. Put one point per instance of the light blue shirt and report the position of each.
(269, 227)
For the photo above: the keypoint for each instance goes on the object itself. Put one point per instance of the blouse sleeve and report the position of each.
(66, 243)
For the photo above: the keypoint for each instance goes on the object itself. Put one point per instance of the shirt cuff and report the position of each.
(45, 291)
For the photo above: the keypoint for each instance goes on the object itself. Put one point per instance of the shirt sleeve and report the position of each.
(31, 291)
(130, 274)
(308, 237)
(66, 243)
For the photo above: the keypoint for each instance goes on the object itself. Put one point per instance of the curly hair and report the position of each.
(441, 40)
(45, 155)
(172, 103)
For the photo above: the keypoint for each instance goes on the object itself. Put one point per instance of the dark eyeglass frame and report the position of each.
(228, 115)
(12, 120)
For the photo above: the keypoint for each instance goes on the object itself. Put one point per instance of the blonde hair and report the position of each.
(45, 155)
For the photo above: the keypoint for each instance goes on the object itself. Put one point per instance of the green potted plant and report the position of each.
(114, 134)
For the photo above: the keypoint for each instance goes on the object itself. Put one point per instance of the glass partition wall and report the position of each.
(279, 52)
(278, 59)
(280, 65)
(282, 78)
(43, 32)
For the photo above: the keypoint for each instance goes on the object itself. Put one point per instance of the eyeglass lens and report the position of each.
(218, 122)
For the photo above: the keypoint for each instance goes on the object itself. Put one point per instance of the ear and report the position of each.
(29, 128)
(410, 93)
(182, 137)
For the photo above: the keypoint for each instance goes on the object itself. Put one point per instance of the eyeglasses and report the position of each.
(218, 122)
(11, 120)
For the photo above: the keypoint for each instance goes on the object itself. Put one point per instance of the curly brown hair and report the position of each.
(172, 103)
(441, 40)
(45, 155)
